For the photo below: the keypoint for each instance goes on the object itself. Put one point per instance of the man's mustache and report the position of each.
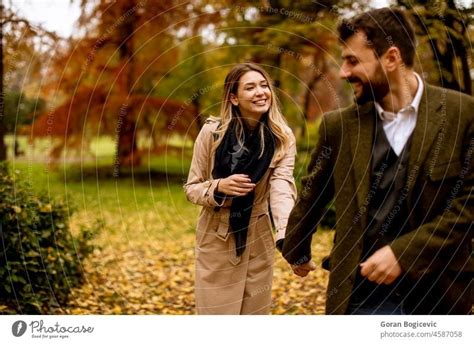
(353, 79)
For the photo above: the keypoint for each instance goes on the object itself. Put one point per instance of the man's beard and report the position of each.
(372, 90)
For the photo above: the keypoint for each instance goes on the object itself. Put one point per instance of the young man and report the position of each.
(399, 165)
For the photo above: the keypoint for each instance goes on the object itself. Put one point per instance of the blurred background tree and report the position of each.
(296, 42)
(20, 63)
(146, 73)
(444, 29)
(108, 78)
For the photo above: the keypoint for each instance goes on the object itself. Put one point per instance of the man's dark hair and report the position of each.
(384, 28)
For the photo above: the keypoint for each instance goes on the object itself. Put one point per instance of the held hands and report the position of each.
(236, 185)
(303, 269)
(382, 267)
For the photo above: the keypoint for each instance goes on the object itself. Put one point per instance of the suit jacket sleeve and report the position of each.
(200, 187)
(317, 190)
(283, 189)
(428, 248)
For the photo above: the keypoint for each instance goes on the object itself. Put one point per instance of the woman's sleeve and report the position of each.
(200, 187)
(283, 190)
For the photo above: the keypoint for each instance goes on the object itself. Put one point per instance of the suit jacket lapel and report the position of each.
(427, 126)
(361, 131)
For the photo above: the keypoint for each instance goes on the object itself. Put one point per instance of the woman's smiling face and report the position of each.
(253, 95)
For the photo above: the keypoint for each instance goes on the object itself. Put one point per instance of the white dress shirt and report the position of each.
(399, 126)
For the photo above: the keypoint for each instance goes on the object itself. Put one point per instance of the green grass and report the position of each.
(115, 201)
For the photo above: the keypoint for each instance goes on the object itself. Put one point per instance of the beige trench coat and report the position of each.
(225, 283)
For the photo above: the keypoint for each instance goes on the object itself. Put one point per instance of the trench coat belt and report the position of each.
(257, 209)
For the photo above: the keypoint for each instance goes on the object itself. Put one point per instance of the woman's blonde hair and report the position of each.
(228, 111)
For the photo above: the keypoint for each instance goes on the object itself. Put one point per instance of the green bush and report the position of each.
(40, 260)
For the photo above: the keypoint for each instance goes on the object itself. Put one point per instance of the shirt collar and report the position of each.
(414, 105)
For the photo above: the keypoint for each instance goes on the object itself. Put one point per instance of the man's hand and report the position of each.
(303, 269)
(382, 267)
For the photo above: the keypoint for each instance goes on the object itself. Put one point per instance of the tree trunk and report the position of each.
(127, 154)
(307, 102)
(197, 103)
(126, 143)
(317, 75)
(467, 81)
(3, 147)
(452, 42)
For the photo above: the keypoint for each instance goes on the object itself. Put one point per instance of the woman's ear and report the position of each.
(234, 100)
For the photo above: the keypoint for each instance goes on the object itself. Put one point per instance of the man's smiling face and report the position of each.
(361, 68)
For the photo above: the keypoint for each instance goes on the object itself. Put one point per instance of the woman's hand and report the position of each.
(303, 269)
(236, 185)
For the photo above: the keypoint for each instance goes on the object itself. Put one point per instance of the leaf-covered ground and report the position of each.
(143, 262)
(137, 271)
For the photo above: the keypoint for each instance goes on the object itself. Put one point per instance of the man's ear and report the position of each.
(392, 59)
(234, 100)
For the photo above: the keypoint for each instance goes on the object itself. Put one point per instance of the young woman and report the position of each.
(242, 175)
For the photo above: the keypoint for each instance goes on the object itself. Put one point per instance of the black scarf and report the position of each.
(230, 159)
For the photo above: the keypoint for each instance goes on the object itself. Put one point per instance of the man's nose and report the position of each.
(344, 72)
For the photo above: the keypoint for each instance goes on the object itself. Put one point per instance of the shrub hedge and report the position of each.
(40, 259)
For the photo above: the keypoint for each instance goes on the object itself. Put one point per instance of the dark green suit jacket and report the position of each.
(436, 256)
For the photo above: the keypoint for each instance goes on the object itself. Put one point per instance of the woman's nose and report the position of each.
(259, 90)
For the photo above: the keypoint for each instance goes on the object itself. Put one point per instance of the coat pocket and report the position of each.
(267, 232)
(443, 171)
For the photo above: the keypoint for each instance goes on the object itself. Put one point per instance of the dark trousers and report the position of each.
(388, 306)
